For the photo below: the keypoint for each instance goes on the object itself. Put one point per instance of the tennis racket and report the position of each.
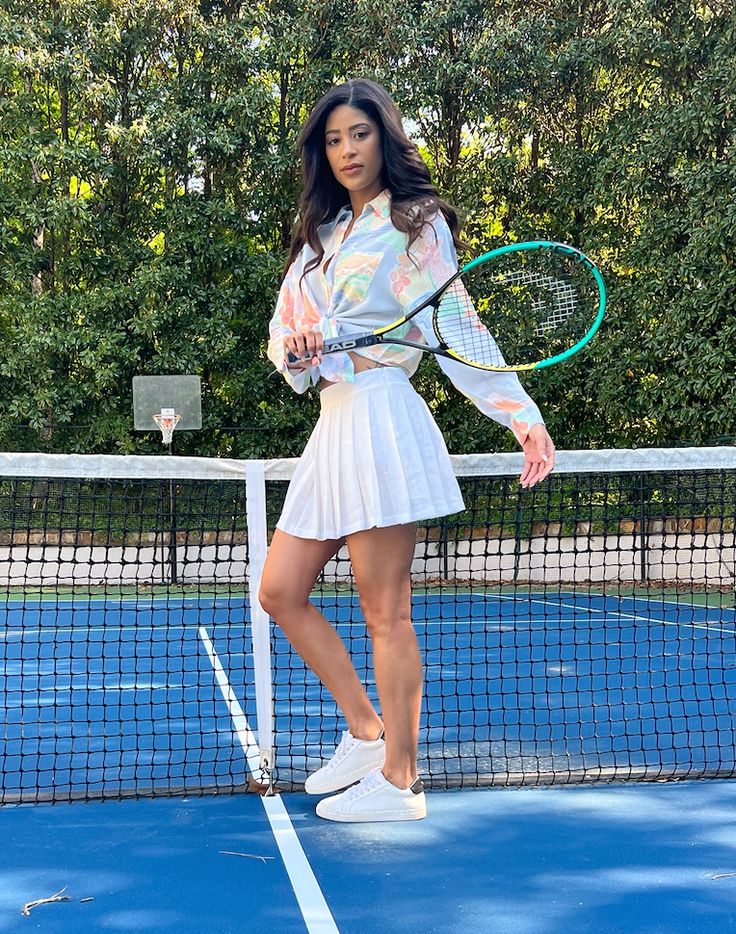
(521, 307)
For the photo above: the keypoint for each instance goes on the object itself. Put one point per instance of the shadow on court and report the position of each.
(148, 866)
(643, 859)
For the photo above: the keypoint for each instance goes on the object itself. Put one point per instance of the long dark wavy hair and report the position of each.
(414, 199)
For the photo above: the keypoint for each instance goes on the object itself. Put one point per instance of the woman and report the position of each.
(373, 239)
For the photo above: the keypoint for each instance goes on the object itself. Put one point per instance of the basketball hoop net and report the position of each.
(167, 420)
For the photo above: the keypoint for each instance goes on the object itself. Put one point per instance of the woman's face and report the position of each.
(353, 146)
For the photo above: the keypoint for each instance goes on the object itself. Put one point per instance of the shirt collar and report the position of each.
(380, 206)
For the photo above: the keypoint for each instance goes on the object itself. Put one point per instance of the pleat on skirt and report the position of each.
(375, 458)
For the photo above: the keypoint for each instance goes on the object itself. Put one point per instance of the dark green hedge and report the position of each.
(148, 182)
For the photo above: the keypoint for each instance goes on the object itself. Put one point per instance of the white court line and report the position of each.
(604, 596)
(314, 908)
(578, 615)
(620, 614)
(166, 626)
(636, 617)
(563, 603)
(678, 624)
(419, 593)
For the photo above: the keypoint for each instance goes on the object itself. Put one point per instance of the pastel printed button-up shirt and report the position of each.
(370, 281)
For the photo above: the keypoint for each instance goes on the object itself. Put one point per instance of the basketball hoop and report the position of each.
(167, 420)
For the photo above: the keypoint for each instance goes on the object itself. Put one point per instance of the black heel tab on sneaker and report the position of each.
(417, 787)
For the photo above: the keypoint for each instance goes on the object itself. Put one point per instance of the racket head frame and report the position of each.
(526, 246)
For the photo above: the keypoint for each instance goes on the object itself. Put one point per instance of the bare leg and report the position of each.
(291, 568)
(382, 566)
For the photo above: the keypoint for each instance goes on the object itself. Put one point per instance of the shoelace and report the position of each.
(365, 785)
(343, 747)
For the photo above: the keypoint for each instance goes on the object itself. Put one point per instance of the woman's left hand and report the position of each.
(539, 456)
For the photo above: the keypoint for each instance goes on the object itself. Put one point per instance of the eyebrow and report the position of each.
(350, 128)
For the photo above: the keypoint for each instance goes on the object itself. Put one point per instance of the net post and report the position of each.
(255, 493)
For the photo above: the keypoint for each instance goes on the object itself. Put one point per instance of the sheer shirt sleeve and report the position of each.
(283, 324)
(497, 395)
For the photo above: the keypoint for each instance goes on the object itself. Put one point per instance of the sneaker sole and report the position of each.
(386, 816)
(373, 817)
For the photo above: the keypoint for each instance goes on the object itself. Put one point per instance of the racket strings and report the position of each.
(528, 308)
(459, 325)
(559, 293)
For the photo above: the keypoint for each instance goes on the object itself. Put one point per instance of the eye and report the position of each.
(333, 139)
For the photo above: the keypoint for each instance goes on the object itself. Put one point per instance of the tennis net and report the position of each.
(582, 630)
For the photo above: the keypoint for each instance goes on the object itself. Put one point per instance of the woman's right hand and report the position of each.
(306, 345)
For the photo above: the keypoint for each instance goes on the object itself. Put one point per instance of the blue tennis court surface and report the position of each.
(650, 859)
(122, 694)
(117, 696)
(109, 696)
(545, 684)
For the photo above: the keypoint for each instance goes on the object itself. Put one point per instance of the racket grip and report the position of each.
(341, 343)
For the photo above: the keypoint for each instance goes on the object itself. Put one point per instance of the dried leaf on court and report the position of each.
(263, 859)
(59, 897)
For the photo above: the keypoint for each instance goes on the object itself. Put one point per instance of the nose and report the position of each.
(348, 147)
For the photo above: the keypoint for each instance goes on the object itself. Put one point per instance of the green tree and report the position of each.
(149, 181)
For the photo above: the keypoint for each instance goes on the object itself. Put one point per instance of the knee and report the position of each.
(384, 620)
(271, 600)
(279, 601)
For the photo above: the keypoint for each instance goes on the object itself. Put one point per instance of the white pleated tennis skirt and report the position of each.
(375, 458)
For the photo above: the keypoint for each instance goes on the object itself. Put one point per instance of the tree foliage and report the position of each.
(148, 184)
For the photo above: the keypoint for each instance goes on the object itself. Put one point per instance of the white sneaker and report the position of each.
(351, 761)
(375, 798)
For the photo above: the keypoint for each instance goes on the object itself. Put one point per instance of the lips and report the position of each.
(352, 168)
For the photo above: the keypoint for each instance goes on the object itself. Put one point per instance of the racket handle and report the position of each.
(292, 358)
(342, 343)
(351, 343)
